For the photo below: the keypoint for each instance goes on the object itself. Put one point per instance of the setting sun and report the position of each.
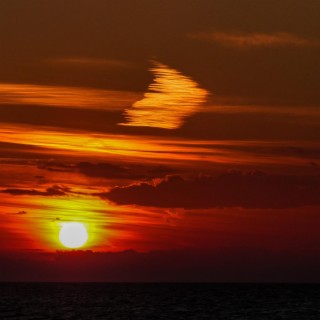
(73, 235)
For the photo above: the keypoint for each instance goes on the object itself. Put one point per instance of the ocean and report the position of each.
(159, 301)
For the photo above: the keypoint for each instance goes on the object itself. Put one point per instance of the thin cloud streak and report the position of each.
(139, 148)
(251, 40)
(171, 97)
(90, 62)
(112, 145)
(75, 97)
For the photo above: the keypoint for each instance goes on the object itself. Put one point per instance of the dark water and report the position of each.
(159, 301)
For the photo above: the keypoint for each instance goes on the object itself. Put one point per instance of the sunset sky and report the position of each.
(183, 134)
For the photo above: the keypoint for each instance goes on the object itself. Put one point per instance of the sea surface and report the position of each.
(159, 301)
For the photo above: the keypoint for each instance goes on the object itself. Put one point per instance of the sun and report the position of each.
(73, 235)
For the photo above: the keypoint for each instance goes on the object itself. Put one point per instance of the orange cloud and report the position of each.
(170, 98)
(250, 40)
(59, 96)
(152, 148)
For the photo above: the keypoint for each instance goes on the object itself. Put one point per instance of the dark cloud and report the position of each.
(52, 191)
(103, 170)
(56, 166)
(161, 171)
(108, 170)
(112, 171)
(234, 189)
(21, 212)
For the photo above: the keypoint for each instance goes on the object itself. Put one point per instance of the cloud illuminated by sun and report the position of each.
(171, 97)
(66, 97)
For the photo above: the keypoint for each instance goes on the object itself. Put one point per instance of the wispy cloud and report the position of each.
(170, 98)
(91, 62)
(179, 151)
(59, 96)
(251, 40)
(52, 191)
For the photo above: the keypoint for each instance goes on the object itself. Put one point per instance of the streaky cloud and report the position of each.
(90, 62)
(251, 40)
(171, 97)
(52, 191)
(45, 141)
(64, 96)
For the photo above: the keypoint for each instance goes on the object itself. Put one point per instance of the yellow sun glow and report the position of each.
(73, 235)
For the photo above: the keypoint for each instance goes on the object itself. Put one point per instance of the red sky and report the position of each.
(185, 136)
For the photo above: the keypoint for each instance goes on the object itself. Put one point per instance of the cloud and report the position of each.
(179, 150)
(49, 192)
(91, 62)
(170, 98)
(161, 171)
(63, 96)
(111, 171)
(56, 166)
(251, 40)
(108, 170)
(21, 212)
(233, 189)
(103, 170)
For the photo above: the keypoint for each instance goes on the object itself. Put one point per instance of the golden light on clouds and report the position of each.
(85, 143)
(42, 218)
(170, 98)
(142, 149)
(59, 96)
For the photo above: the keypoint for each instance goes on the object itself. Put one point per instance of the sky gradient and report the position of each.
(184, 134)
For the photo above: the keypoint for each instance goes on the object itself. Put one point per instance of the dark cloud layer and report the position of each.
(106, 170)
(112, 171)
(103, 170)
(49, 192)
(235, 189)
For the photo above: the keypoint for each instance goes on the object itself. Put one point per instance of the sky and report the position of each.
(183, 134)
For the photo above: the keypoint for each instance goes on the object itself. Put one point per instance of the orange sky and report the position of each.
(161, 126)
